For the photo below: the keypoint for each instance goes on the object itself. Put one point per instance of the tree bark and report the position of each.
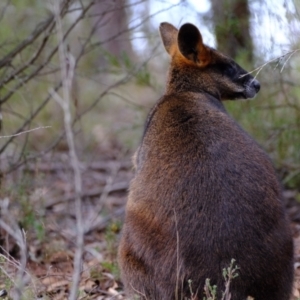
(231, 20)
(112, 27)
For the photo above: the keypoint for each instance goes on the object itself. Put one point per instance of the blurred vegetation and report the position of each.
(112, 92)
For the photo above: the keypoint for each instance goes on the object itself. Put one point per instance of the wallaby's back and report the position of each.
(204, 192)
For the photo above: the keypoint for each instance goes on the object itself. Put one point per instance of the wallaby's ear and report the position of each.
(168, 35)
(191, 45)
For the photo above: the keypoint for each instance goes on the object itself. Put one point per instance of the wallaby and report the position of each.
(204, 191)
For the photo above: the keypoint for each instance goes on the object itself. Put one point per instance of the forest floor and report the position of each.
(42, 200)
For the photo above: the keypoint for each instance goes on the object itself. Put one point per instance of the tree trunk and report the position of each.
(231, 20)
(112, 28)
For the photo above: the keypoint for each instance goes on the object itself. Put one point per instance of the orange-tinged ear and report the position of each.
(191, 45)
(168, 35)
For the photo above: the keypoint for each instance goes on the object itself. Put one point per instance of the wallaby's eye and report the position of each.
(226, 69)
(230, 71)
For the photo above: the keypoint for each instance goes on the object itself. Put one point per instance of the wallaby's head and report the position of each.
(196, 67)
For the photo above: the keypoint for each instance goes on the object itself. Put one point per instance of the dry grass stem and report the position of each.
(23, 132)
(279, 58)
(10, 225)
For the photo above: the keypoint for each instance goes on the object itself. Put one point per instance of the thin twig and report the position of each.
(108, 188)
(23, 132)
(258, 69)
(177, 257)
(32, 116)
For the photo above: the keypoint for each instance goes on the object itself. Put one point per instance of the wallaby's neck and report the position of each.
(182, 80)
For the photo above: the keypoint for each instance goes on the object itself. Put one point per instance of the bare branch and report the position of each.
(67, 73)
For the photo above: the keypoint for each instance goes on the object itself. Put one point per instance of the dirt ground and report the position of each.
(45, 207)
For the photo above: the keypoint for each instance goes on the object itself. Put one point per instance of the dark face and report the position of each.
(232, 81)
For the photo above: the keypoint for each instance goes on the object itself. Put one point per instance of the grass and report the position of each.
(229, 274)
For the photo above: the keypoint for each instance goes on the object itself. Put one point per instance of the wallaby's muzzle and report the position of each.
(251, 89)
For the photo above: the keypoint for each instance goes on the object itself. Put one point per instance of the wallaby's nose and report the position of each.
(256, 85)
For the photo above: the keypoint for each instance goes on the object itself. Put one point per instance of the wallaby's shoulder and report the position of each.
(177, 108)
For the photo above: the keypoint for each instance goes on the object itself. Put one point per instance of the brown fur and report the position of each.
(204, 192)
